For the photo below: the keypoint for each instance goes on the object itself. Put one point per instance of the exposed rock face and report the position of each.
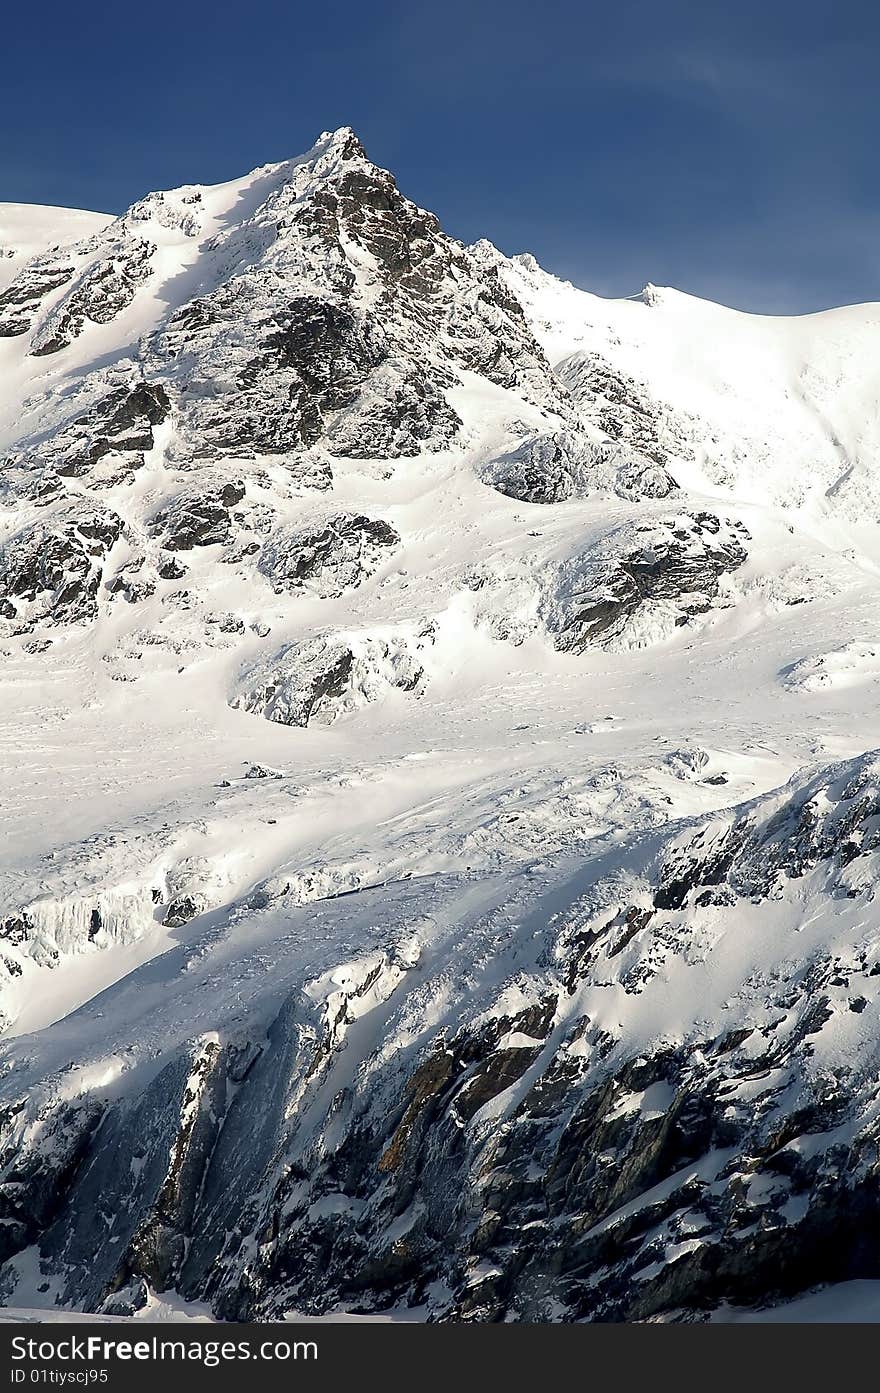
(107, 287)
(177, 208)
(329, 677)
(120, 425)
(540, 470)
(183, 908)
(21, 300)
(636, 476)
(303, 358)
(621, 408)
(407, 412)
(832, 823)
(328, 557)
(553, 468)
(99, 445)
(29, 1194)
(52, 569)
(662, 575)
(430, 281)
(526, 1162)
(290, 349)
(196, 519)
(141, 1234)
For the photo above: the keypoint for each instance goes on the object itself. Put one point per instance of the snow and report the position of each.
(472, 782)
(841, 1304)
(852, 665)
(791, 403)
(34, 1302)
(26, 229)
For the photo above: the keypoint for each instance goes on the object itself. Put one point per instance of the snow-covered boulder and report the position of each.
(643, 581)
(328, 677)
(329, 556)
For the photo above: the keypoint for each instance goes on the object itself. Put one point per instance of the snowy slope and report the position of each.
(787, 408)
(439, 809)
(27, 229)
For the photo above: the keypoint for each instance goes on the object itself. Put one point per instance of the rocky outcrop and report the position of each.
(407, 412)
(197, 518)
(303, 358)
(105, 289)
(832, 822)
(540, 470)
(623, 409)
(51, 570)
(553, 468)
(175, 1121)
(22, 299)
(107, 443)
(645, 581)
(180, 209)
(430, 281)
(329, 677)
(328, 557)
(101, 444)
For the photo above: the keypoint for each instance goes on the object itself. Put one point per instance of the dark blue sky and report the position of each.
(728, 149)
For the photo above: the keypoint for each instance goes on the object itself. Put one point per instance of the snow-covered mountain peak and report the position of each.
(343, 141)
(440, 852)
(330, 153)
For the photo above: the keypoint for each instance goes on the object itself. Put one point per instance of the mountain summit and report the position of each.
(440, 785)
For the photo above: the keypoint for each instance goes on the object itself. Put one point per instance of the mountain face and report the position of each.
(440, 783)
